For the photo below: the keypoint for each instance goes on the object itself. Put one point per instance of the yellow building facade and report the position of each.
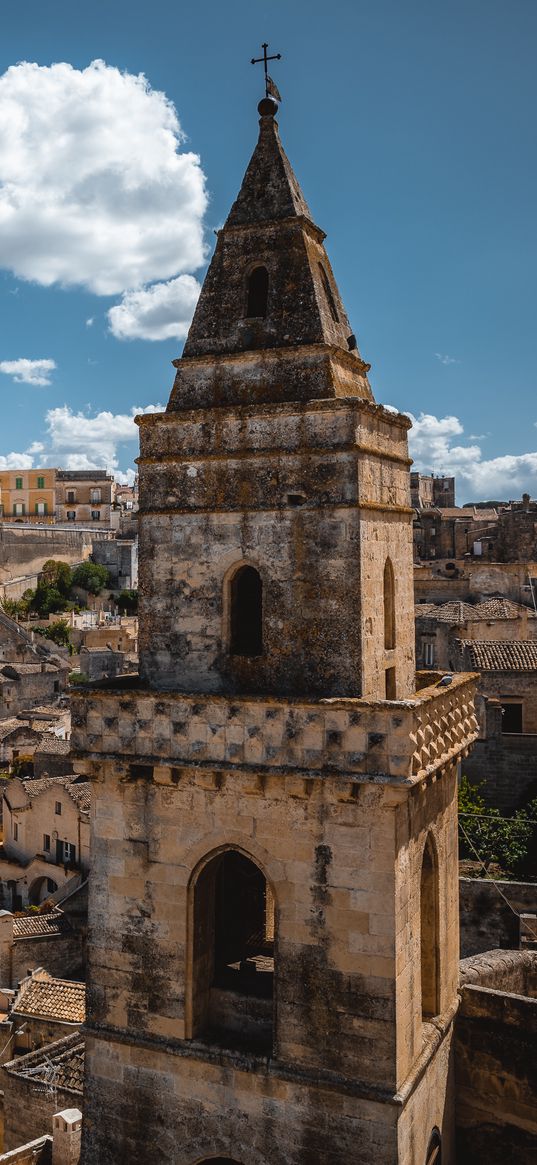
(28, 495)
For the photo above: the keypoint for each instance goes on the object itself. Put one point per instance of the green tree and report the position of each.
(127, 602)
(91, 577)
(58, 575)
(486, 835)
(58, 632)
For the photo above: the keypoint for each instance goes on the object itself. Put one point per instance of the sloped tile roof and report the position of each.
(461, 612)
(495, 656)
(59, 1065)
(53, 744)
(77, 788)
(47, 998)
(32, 925)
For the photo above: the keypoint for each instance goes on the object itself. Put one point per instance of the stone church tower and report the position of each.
(273, 941)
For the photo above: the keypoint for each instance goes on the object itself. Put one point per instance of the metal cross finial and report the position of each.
(264, 60)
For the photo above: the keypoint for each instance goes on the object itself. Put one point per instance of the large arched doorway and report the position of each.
(233, 953)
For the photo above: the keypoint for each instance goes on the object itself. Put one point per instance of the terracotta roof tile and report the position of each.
(495, 656)
(31, 925)
(460, 612)
(77, 788)
(47, 998)
(59, 1065)
(53, 744)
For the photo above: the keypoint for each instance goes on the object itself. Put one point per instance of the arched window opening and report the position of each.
(329, 294)
(429, 934)
(233, 958)
(246, 612)
(434, 1152)
(389, 606)
(258, 282)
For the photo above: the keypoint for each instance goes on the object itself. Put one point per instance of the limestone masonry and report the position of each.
(273, 916)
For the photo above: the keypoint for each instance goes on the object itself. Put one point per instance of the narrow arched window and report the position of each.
(329, 294)
(233, 953)
(256, 305)
(246, 612)
(389, 606)
(429, 933)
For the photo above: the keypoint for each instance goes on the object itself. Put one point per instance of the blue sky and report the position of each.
(412, 131)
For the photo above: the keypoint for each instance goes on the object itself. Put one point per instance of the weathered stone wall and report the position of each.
(486, 920)
(215, 496)
(29, 1106)
(496, 1082)
(60, 955)
(23, 551)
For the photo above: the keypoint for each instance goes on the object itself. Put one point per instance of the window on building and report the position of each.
(95, 495)
(389, 606)
(511, 716)
(429, 932)
(329, 294)
(19, 508)
(233, 956)
(15, 832)
(65, 853)
(246, 612)
(71, 497)
(58, 808)
(41, 507)
(71, 515)
(391, 692)
(46, 843)
(257, 300)
(428, 653)
(18, 483)
(434, 1151)
(95, 515)
(40, 483)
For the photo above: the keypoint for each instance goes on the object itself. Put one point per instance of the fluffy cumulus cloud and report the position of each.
(79, 441)
(435, 446)
(16, 461)
(95, 189)
(160, 312)
(28, 371)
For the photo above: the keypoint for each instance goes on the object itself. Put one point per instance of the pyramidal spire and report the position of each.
(270, 191)
(269, 324)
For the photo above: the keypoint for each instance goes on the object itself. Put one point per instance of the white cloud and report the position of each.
(160, 312)
(90, 322)
(16, 461)
(446, 359)
(35, 447)
(28, 371)
(94, 189)
(431, 445)
(79, 441)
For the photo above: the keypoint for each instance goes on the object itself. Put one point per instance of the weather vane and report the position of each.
(271, 89)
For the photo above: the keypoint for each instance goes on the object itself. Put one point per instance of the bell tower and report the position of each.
(273, 940)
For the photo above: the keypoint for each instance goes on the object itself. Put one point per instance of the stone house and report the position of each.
(46, 837)
(429, 490)
(36, 1086)
(273, 925)
(120, 556)
(27, 685)
(84, 495)
(53, 940)
(17, 738)
(45, 1009)
(52, 757)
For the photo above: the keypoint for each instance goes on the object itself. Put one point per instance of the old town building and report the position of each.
(273, 930)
